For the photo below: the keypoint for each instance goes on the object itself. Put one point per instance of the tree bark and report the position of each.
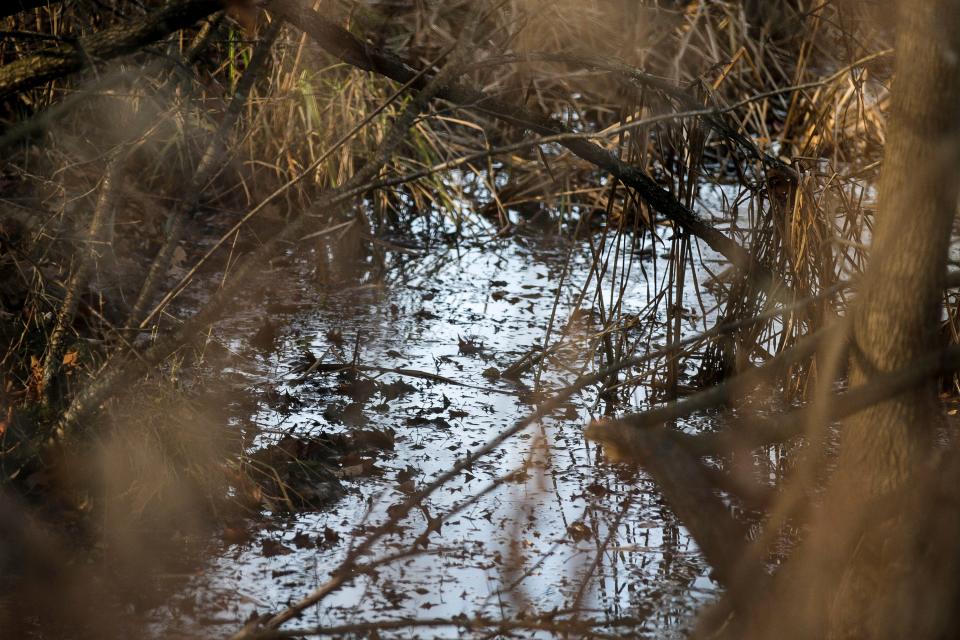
(897, 313)
(896, 320)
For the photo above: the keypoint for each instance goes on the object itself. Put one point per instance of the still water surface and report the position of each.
(572, 531)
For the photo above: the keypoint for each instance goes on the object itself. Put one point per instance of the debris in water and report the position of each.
(469, 347)
(579, 531)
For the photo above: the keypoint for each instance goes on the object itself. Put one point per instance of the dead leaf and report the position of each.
(271, 548)
(491, 373)
(468, 346)
(579, 531)
(330, 536)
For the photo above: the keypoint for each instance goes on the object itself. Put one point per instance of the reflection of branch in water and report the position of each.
(601, 549)
(118, 374)
(411, 373)
(685, 484)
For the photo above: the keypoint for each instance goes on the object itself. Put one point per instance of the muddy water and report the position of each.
(573, 531)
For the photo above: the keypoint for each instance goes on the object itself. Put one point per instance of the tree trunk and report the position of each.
(860, 571)
(896, 321)
(897, 314)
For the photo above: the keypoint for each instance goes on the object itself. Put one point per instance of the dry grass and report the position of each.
(809, 227)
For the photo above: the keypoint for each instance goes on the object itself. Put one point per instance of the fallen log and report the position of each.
(57, 62)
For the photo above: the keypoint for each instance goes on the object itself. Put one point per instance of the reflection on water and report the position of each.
(571, 532)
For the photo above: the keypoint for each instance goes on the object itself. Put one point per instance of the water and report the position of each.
(571, 531)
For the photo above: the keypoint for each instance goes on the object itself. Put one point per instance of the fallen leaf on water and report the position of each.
(393, 390)
(353, 471)
(579, 531)
(405, 474)
(598, 489)
(335, 336)
(302, 540)
(364, 439)
(271, 548)
(177, 258)
(330, 536)
(265, 339)
(491, 373)
(469, 347)
(420, 421)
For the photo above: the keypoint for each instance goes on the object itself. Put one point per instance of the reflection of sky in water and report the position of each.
(515, 537)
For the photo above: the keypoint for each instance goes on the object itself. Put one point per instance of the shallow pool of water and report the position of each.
(572, 532)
